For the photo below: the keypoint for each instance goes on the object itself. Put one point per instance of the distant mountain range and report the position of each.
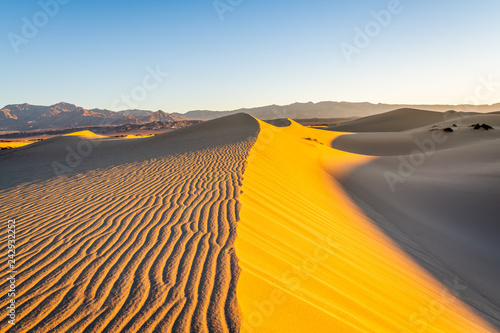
(22, 117)
(333, 110)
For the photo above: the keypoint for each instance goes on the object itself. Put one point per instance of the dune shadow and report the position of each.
(448, 225)
(67, 156)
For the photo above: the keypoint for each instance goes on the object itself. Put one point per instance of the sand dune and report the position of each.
(314, 262)
(141, 246)
(8, 144)
(406, 142)
(87, 134)
(447, 202)
(153, 235)
(395, 121)
(437, 191)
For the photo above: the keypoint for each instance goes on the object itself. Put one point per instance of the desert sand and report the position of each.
(10, 144)
(237, 225)
(399, 120)
(321, 265)
(440, 190)
(140, 244)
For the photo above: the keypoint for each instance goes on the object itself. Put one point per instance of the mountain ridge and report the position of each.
(25, 116)
(19, 117)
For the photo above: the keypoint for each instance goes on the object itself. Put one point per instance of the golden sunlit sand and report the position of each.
(227, 226)
(11, 144)
(87, 134)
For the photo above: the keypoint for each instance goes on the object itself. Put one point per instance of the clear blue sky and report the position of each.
(92, 53)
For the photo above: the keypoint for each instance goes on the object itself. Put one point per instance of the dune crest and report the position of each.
(86, 133)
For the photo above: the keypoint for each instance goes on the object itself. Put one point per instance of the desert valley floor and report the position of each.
(236, 225)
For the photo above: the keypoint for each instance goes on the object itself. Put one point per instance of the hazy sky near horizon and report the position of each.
(100, 54)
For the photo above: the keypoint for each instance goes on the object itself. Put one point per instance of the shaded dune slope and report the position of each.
(447, 203)
(35, 162)
(405, 142)
(140, 241)
(436, 194)
(392, 121)
(403, 120)
(441, 190)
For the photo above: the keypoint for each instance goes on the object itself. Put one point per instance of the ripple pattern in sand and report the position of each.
(139, 247)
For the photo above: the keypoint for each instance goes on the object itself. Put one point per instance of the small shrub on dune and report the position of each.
(483, 126)
(315, 140)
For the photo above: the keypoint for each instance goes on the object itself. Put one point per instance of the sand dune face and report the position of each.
(406, 142)
(13, 144)
(313, 262)
(447, 202)
(85, 133)
(436, 193)
(140, 246)
(392, 121)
